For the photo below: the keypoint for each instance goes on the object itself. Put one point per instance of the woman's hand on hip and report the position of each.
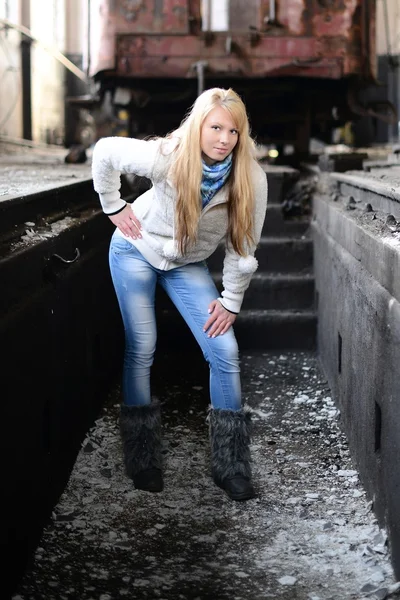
(219, 321)
(127, 223)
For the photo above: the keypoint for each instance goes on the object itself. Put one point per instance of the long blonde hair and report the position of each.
(186, 172)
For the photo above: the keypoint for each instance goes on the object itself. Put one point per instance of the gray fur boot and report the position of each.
(140, 428)
(230, 432)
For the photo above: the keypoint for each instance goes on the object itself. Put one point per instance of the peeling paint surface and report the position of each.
(290, 14)
(310, 533)
(301, 28)
(150, 16)
(129, 9)
(337, 23)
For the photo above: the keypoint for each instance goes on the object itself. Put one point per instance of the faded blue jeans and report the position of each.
(191, 289)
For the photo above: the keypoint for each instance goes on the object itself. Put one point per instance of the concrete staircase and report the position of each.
(278, 308)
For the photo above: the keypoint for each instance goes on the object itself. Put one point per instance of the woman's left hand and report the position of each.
(220, 319)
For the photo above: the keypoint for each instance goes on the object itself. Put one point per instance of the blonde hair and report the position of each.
(186, 172)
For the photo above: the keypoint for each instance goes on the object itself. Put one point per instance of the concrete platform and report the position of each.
(357, 273)
(27, 170)
(380, 189)
(310, 533)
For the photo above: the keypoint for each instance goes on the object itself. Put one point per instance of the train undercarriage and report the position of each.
(282, 111)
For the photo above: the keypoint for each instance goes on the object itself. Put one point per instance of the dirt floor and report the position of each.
(310, 534)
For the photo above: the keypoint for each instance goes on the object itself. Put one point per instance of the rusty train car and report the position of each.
(300, 65)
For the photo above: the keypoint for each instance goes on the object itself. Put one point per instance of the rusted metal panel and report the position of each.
(292, 15)
(174, 67)
(112, 18)
(243, 15)
(175, 56)
(340, 19)
(316, 38)
(151, 16)
(102, 39)
(371, 33)
(199, 48)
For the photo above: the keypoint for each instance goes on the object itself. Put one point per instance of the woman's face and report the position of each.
(218, 135)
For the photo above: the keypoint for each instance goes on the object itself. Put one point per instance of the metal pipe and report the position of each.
(200, 65)
(387, 28)
(209, 7)
(272, 11)
(88, 36)
(26, 73)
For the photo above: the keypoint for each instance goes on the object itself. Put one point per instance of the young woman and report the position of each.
(207, 188)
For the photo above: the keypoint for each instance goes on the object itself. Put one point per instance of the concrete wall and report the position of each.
(56, 363)
(79, 126)
(10, 72)
(48, 75)
(56, 25)
(390, 10)
(357, 273)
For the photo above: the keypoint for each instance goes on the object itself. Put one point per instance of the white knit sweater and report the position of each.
(155, 210)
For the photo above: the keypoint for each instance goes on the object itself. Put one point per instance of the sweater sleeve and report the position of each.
(115, 155)
(238, 270)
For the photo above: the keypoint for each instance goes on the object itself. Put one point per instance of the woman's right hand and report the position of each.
(127, 223)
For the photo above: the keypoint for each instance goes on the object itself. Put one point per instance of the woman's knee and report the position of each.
(225, 351)
(142, 352)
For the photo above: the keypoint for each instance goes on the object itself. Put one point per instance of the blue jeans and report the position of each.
(191, 289)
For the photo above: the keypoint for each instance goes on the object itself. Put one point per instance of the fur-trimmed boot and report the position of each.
(140, 428)
(230, 452)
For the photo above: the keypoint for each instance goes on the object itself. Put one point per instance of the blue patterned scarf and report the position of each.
(214, 177)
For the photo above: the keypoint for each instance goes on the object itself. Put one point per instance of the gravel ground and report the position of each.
(310, 534)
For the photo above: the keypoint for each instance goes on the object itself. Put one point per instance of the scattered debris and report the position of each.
(76, 155)
(309, 534)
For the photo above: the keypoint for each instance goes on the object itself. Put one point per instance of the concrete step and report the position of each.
(280, 180)
(279, 254)
(278, 291)
(254, 329)
(278, 329)
(276, 223)
(267, 291)
(339, 163)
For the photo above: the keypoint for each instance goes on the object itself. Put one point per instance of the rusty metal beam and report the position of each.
(175, 56)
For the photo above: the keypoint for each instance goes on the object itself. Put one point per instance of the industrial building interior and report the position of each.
(318, 331)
